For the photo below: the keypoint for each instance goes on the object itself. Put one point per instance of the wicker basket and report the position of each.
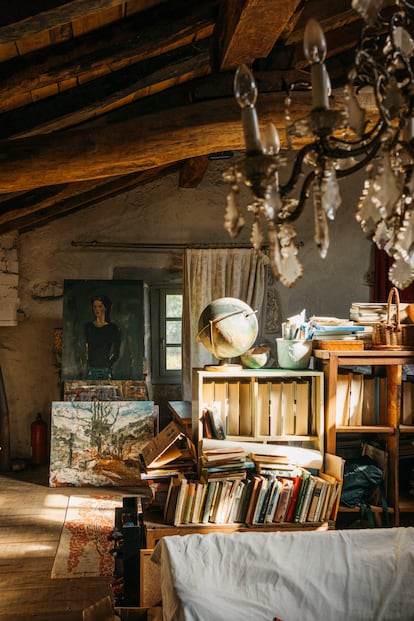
(392, 334)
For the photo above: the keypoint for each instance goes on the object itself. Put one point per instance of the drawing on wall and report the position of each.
(103, 330)
(97, 443)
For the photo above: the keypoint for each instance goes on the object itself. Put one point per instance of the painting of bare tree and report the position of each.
(97, 443)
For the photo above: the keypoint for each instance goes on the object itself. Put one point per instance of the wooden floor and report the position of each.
(31, 519)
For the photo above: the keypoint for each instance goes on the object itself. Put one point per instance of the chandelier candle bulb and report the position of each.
(320, 87)
(340, 141)
(271, 143)
(314, 47)
(245, 91)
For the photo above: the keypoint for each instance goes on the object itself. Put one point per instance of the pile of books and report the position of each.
(368, 313)
(280, 492)
(170, 454)
(334, 329)
(228, 462)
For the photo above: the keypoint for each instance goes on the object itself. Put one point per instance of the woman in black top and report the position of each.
(103, 340)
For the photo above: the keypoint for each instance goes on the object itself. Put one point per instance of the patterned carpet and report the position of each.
(84, 548)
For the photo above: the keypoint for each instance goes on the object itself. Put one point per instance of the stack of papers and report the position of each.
(334, 329)
(367, 313)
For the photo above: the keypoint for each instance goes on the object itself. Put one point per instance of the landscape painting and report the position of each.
(97, 443)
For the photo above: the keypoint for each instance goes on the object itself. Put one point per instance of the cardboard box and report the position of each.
(140, 614)
(103, 610)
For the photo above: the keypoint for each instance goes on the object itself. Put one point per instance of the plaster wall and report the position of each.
(159, 212)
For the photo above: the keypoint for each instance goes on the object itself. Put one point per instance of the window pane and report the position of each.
(173, 332)
(173, 359)
(174, 305)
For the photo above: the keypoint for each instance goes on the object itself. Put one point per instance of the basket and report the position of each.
(391, 334)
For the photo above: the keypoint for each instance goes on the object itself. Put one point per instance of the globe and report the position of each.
(227, 327)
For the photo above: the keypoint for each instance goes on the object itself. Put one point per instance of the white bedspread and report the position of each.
(348, 575)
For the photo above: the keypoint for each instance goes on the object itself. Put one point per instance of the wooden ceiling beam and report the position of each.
(105, 51)
(58, 14)
(248, 29)
(96, 98)
(330, 15)
(133, 145)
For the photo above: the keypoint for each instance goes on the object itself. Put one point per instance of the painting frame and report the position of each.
(98, 443)
(126, 320)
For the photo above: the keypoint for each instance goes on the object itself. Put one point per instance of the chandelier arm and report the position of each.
(373, 134)
(344, 172)
(384, 147)
(303, 196)
(290, 184)
(368, 152)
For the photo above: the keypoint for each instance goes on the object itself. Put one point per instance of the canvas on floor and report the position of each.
(97, 443)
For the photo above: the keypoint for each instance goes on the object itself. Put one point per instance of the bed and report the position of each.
(358, 575)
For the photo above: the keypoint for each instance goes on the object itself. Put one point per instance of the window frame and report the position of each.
(160, 375)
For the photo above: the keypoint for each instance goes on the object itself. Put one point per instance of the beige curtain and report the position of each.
(208, 275)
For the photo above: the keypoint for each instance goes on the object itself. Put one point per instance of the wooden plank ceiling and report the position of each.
(99, 96)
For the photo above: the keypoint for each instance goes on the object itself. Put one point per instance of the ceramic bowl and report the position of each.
(255, 358)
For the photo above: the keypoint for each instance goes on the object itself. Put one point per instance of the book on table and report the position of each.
(284, 500)
(297, 483)
(315, 500)
(273, 501)
(216, 420)
(302, 495)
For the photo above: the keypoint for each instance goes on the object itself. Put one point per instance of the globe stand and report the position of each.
(223, 366)
(227, 327)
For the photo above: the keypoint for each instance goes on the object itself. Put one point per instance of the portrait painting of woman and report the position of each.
(102, 340)
(103, 330)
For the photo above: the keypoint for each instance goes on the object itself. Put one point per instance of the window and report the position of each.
(166, 312)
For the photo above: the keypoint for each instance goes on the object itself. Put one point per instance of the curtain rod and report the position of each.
(161, 246)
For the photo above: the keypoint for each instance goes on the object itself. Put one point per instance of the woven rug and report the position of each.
(84, 549)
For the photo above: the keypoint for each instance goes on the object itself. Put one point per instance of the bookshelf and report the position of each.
(387, 426)
(263, 405)
(155, 529)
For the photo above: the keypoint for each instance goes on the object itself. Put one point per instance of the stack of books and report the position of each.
(171, 452)
(368, 313)
(288, 494)
(229, 462)
(361, 399)
(335, 333)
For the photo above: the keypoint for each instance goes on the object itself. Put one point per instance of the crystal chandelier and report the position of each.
(340, 143)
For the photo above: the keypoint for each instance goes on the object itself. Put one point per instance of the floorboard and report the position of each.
(31, 520)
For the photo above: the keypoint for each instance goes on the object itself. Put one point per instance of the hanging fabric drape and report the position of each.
(382, 284)
(210, 274)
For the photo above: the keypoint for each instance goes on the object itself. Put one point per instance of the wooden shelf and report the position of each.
(365, 429)
(374, 509)
(331, 362)
(155, 530)
(209, 386)
(406, 503)
(407, 429)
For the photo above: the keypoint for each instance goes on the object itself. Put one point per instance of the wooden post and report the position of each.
(5, 464)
